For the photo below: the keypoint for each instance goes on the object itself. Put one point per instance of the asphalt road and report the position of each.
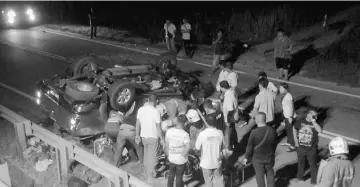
(21, 68)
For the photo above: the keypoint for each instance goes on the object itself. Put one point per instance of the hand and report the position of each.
(290, 120)
(244, 162)
(240, 139)
(227, 124)
(137, 140)
(296, 144)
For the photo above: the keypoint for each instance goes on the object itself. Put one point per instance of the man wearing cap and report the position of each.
(210, 143)
(229, 110)
(170, 29)
(149, 132)
(195, 125)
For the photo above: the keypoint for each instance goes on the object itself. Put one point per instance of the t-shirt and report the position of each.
(170, 30)
(210, 142)
(306, 133)
(148, 117)
(272, 87)
(186, 35)
(265, 102)
(177, 140)
(266, 150)
(280, 45)
(230, 77)
(287, 106)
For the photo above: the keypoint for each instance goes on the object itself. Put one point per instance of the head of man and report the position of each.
(185, 20)
(180, 121)
(338, 146)
(311, 115)
(262, 74)
(168, 22)
(219, 33)
(262, 84)
(211, 120)
(283, 88)
(260, 119)
(153, 100)
(224, 85)
(228, 66)
(280, 32)
(91, 9)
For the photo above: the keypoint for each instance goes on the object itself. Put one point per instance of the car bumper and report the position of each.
(78, 125)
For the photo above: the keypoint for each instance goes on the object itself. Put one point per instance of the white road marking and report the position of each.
(203, 64)
(324, 134)
(34, 51)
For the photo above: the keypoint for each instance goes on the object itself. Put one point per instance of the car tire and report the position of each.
(166, 58)
(75, 182)
(73, 89)
(89, 62)
(115, 89)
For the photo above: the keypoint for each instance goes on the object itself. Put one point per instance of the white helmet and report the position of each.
(338, 146)
(192, 116)
(162, 109)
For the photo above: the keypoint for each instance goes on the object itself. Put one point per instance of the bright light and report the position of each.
(32, 17)
(72, 121)
(11, 20)
(11, 14)
(2, 12)
(38, 94)
(38, 101)
(30, 11)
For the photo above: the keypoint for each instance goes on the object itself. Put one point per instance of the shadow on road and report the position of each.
(299, 59)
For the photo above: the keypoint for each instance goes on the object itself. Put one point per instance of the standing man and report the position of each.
(261, 147)
(305, 133)
(265, 101)
(230, 111)
(270, 85)
(210, 143)
(177, 148)
(282, 53)
(288, 114)
(229, 75)
(219, 50)
(186, 29)
(149, 132)
(93, 23)
(170, 29)
(337, 170)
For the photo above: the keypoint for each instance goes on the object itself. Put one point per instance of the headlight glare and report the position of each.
(11, 14)
(30, 11)
(32, 17)
(38, 93)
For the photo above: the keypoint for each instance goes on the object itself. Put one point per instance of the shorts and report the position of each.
(283, 63)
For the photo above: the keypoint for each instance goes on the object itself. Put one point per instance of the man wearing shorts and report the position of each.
(282, 53)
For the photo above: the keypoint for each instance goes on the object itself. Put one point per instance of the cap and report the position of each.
(192, 116)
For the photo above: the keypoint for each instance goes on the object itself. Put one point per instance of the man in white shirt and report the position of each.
(288, 114)
(186, 29)
(210, 143)
(265, 101)
(270, 85)
(177, 148)
(170, 29)
(229, 109)
(229, 75)
(148, 131)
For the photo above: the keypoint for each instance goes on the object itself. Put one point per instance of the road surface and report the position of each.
(34, 55)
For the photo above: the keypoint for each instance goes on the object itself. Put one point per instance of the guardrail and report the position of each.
(66, 150)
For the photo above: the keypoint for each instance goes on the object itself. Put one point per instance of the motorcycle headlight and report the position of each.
(32, 17)
(11, 14)
(29, 11)
(38, 94)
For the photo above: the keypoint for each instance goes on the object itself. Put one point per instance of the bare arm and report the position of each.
(295, 136)
(250, 147)
(317, 126)
(137, 128)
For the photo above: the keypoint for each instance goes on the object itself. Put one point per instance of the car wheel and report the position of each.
(84, 66)
(121, 95)
(75, 182)
(166, 59)
(81, 91)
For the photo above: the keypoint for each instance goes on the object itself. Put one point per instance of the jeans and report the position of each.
(289, 131)
(230, 136)
(126, 134)
(176, 171)
(151, 150)
(187, 47)
(170, 44)
(264, 167)
(213, 177)
(93, 30)
(311, 155)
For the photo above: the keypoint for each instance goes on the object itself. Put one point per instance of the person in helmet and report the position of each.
(194, 126)
(337, 170)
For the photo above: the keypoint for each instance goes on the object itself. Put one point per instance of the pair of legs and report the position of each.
(170, 44)
(213, 177)
(93, 30)
(311, 155)
(262, 168)
(216, 59)
(126, 136)
(283, 65)
(187, 47)
(151, 151)
(176, 171)
(289, 132)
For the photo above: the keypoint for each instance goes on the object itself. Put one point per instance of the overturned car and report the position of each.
(73, 102)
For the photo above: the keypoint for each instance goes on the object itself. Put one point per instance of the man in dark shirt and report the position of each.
(93, 24)
(305, 133)
(261, 148)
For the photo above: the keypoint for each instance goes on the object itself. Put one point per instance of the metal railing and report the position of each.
(66, 150)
